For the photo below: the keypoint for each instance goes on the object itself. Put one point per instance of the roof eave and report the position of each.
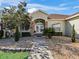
(58, 19)
(72, 16)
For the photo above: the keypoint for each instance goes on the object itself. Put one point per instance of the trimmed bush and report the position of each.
(17, 34)
(1, 33)
(73, 34)
(49, 32)
(45, 31)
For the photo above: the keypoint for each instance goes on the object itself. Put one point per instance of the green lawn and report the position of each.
(11, 55)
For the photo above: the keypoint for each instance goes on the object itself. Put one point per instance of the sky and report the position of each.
(49, 6)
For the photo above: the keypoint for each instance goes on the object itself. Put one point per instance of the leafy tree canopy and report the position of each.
(15, 16)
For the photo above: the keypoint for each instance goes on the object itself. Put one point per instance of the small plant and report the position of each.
(17, 34)
(49, 32)
(73, 34)
(45, 31)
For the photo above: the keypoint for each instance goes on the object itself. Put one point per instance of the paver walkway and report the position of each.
(40, 49)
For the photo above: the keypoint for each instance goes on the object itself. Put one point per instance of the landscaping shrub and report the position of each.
(1, 33)
(73, 34)
(45, 31)
(49, 32)
(17, 34)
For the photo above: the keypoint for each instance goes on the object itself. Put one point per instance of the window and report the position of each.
(24, 27)
(57, 27)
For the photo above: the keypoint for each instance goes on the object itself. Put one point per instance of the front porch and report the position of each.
(38, 26)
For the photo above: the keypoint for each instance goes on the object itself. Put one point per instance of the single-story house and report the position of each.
(61, 23)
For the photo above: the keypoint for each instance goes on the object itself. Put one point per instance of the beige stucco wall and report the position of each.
(39, 15)
(69, 24)
(61, 22)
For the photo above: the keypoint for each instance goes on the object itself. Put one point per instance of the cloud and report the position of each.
(45, 7)
(32, 10)
(63, 4)
(9, 2)
(76, 7)
(33, 7)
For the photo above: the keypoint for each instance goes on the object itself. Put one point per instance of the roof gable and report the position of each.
(38, 11)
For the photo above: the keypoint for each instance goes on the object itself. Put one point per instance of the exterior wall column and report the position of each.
(46, 24)
(32, 27)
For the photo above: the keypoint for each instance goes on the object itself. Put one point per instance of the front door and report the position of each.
(39, 28)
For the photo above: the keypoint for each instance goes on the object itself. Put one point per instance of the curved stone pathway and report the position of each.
(40, 49)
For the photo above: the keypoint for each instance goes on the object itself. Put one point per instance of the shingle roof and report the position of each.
(57, 16)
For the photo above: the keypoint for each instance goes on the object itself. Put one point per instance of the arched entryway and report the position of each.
(39, 26)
